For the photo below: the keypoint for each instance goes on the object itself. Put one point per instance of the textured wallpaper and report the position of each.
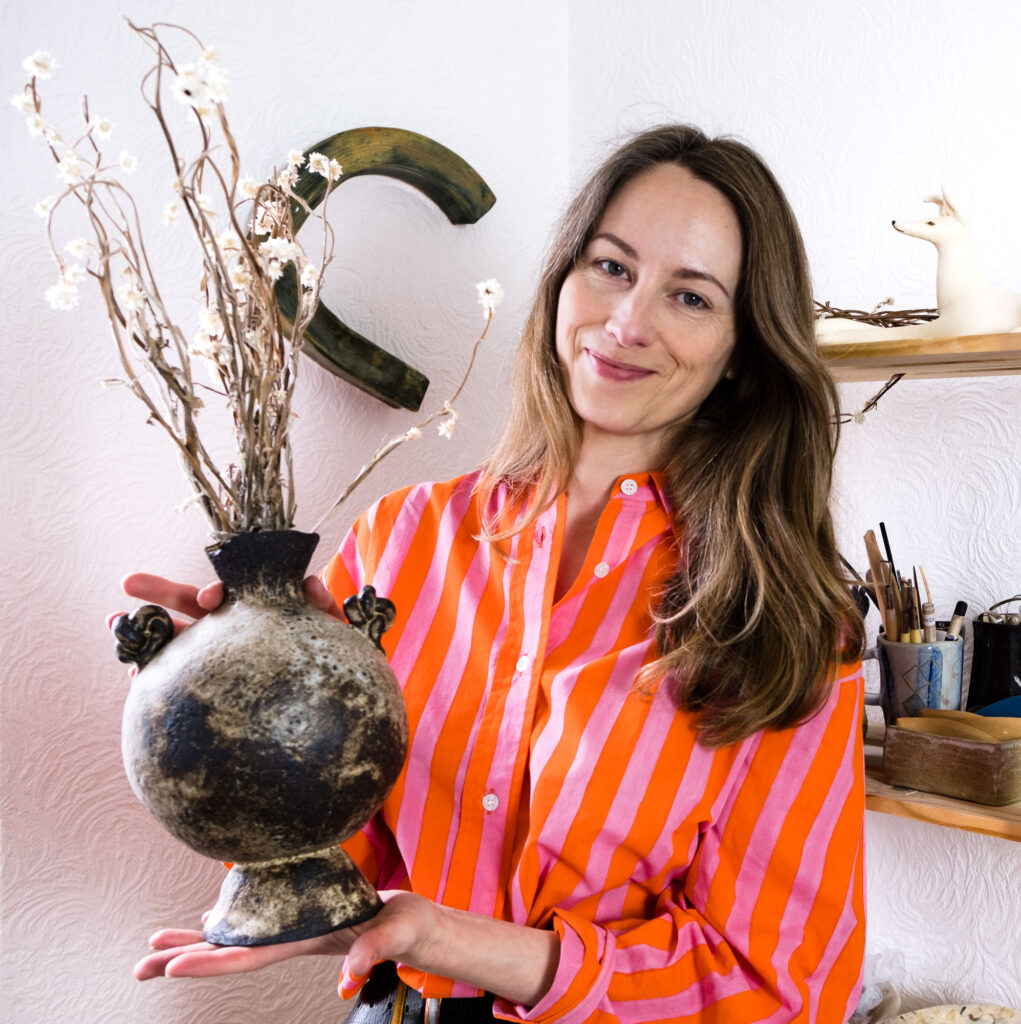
(861, 108)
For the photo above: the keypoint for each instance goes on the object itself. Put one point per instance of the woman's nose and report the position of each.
(630, 320)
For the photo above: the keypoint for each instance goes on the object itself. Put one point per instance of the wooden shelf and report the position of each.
(1003, 822)
(979, 355)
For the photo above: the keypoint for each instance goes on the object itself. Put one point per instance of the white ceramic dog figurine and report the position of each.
(967, 302)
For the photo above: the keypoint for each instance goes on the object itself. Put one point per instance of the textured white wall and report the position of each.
(861, 108)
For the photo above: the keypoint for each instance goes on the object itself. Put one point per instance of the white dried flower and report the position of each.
(101, 127)
(294, 159)
(40, 64)
(216, 80)
(263, 223)
(211, 322)
(170, 213)
(189, 86)
(72, 274)
(210, 55)
(490, 296)
(177, 186)
(286, 179)
(335, 170)
(205, 203)
(248, 187)
(72, 168)
(240, 278)
(77, 247)
(24, 103)
(35, 123)
(275, 253)
(446, 428)
(128, 164)
(132, 297)
(205, 346)
(413, 433)
(309, 277)
(228, 241)
(44, 206)
(51, 135)
(62, 295)
(319, 164)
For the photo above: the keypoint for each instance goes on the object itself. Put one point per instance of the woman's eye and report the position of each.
(612, 268)
(692, 300)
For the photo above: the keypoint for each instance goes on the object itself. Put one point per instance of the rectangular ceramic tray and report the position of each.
(985, 773)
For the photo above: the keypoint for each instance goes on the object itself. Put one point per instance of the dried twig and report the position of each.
(246, 237)
(878, 316)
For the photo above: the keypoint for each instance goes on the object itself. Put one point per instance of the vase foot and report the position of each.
(284, 901)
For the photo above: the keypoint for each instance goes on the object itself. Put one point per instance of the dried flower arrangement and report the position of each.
(246, 239)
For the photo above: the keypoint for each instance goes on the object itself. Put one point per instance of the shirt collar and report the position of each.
(644, 487)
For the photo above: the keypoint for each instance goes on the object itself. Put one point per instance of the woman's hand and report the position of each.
(195, 602)
(402, 930)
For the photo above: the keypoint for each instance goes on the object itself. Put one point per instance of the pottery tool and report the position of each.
(898, 606)
(954, 629)
(916, 614)
(889, 553)
(878, 580)
(928, 613)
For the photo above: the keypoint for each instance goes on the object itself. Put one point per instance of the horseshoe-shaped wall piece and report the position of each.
(453, 185)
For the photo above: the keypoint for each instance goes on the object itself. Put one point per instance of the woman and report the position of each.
(634, 783)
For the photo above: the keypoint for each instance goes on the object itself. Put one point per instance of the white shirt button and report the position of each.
(522, 663)
(628, 486)
(490, 802)
(601, 569)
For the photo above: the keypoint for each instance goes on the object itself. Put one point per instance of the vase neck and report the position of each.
(267, 565)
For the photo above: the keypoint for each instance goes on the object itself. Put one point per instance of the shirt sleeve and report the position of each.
(768, 923)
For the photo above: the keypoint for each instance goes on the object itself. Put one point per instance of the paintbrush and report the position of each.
(878, 582)
(889, 553)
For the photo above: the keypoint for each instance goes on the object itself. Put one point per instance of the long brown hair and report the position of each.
(756, 615)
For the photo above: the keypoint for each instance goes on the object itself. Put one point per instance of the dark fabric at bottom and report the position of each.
(385, 999)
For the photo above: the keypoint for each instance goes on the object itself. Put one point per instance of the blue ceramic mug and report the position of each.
(916, 676)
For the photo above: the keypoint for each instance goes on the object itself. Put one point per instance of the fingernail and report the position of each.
(350, 984)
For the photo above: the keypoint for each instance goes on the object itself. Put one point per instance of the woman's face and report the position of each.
(645, 319)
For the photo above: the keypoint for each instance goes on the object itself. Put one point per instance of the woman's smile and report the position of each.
(614, 369)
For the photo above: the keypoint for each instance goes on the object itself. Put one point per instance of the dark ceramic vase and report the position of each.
(264, 735)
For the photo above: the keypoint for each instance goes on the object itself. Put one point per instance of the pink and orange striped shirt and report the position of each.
(685, 884)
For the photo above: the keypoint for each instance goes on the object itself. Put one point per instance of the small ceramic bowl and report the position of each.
(957, 1014)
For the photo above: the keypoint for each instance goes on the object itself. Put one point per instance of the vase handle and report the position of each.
(142, 634)
(369, 614)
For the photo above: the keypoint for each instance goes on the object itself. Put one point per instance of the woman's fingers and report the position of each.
(177, 597)
(320, 597)
(210, 597)
(180, 953)
(174, 938)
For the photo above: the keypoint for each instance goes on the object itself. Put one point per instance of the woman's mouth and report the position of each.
(611, 369)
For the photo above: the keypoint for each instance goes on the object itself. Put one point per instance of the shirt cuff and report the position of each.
(583, 974)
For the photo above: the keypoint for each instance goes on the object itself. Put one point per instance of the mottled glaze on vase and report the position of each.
(263, 735)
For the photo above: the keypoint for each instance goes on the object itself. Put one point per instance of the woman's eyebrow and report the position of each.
(684, 273)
